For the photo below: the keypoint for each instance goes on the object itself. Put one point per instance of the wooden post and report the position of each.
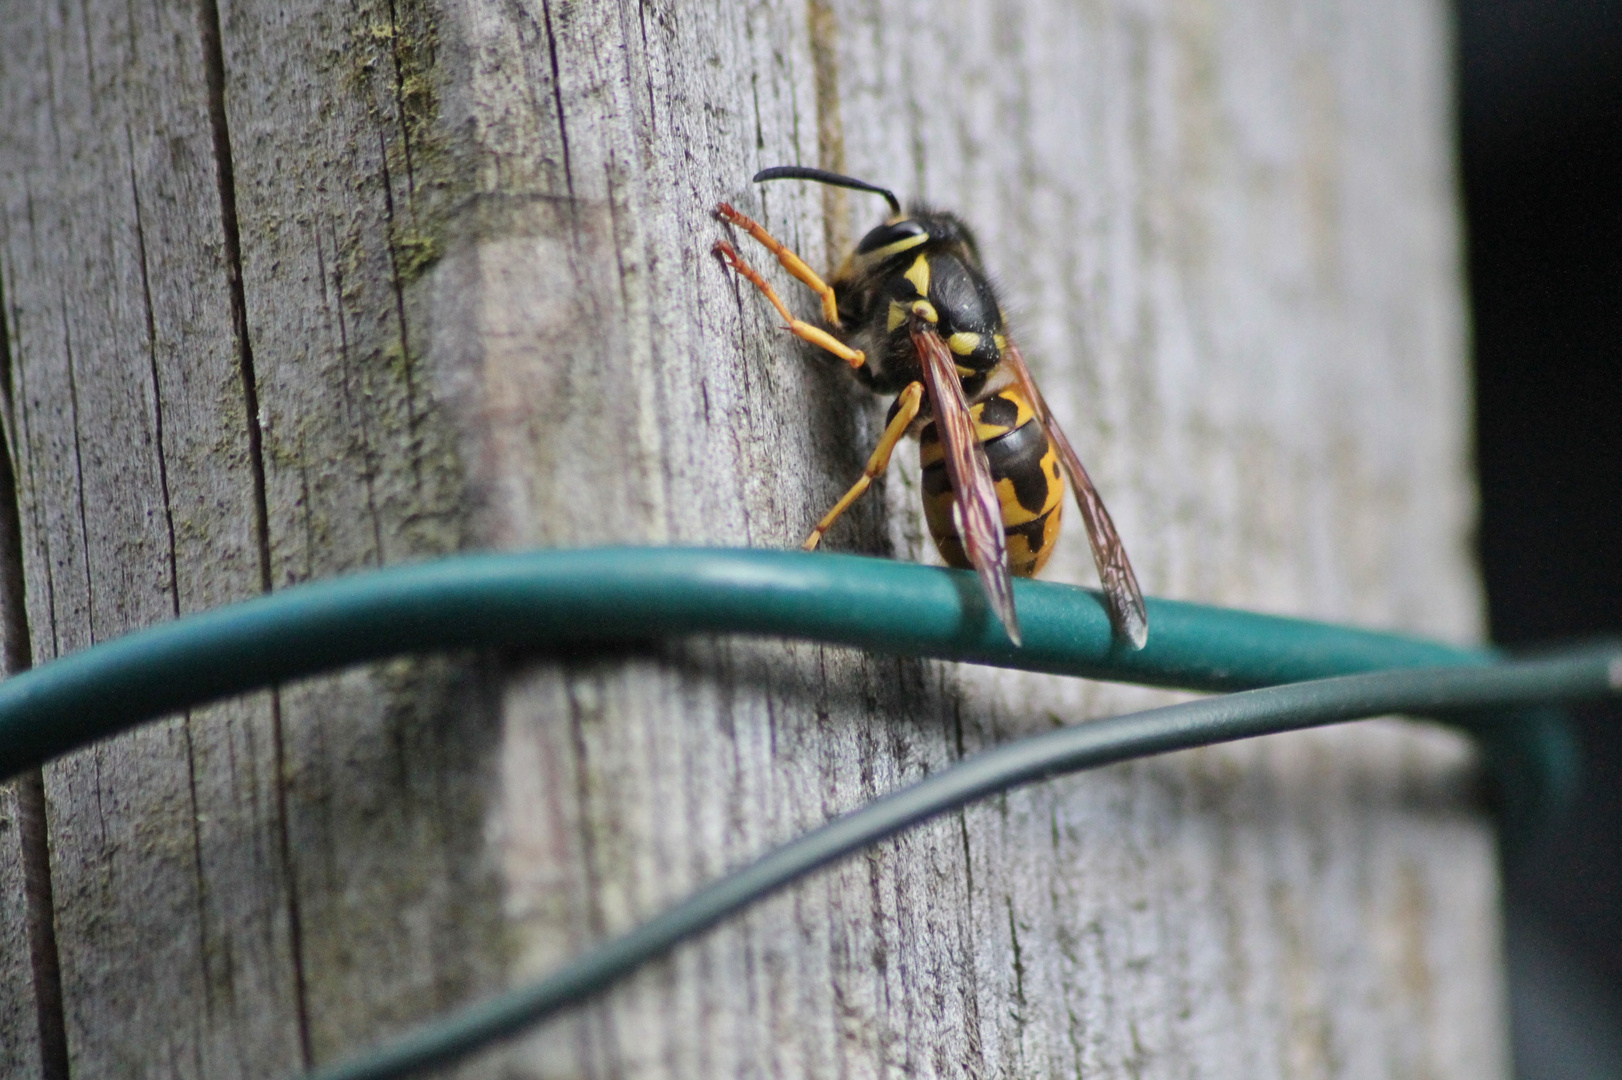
(293, 290)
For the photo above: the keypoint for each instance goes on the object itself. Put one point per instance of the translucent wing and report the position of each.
(1121, 593)
(975, 496)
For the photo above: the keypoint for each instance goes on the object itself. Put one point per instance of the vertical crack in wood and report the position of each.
(397, 283)
(359, 417)
(974, 1062)
(16, 422)
(596, 919)
(1021, 1010)
(33, 839)
(174, 564)
(17, 655)
(8, 396)
(557, 97)
(157, 390)
(225, 179)
(598, 1038)
(78, 474)
(647, 79)
(400, 101)
(201, 880)
(824, 34)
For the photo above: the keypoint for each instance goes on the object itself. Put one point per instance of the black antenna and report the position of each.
(823, 176)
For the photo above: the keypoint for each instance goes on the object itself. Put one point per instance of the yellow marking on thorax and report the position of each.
(878, 255)
(918, 274)
(963, 342)
(899, 312)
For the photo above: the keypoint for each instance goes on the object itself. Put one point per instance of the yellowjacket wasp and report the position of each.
(910, 310)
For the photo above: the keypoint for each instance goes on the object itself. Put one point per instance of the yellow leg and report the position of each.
(798, 327)
(791, 262)
(904, 416)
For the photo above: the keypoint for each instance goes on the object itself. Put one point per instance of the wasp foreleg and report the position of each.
(816, 335)
(791, 262)
(906, 411)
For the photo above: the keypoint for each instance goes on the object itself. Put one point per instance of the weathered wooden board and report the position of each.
(19, 1020)
(1248, 333)
(342, 169)
(136, 496)
(298, 290)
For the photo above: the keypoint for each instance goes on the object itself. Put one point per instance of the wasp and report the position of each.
(913, 314)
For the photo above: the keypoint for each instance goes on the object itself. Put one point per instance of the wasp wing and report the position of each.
(1121, 593)
(979, 514)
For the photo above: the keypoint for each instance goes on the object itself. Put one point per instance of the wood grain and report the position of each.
(342, 172)
(19, 1021)
(135, 501)
(294, 291)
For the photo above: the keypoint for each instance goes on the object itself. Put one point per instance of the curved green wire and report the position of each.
(609, 596)
(1591, 673)
(617, 595)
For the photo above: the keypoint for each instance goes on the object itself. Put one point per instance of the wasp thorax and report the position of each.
(893, 237)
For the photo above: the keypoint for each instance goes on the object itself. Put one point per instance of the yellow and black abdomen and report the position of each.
(1025, 468)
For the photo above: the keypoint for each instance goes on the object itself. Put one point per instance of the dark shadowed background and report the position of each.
(1541, 146)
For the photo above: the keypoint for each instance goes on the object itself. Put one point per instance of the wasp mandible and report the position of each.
(910, 310)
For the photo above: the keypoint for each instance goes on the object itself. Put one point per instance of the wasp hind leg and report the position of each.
(906, 411)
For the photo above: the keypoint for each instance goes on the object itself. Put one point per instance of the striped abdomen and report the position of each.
(1025, 468)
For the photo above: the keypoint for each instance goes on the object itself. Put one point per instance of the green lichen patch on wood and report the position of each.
(414, 254)
(392, 67)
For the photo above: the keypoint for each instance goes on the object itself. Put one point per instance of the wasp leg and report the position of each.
(906, 412)
(791, 262)
(798, 327)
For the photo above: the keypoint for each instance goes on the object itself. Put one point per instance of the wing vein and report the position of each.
(979, 514)
(1123, 598)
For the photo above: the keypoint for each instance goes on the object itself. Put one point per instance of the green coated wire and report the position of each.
(609, 596)
(616, 595)
(1590, 673)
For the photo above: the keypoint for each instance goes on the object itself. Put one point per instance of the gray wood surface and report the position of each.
(292, 291)
(19, 1050)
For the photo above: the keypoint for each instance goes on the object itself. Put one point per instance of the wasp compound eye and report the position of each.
(889, 235)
